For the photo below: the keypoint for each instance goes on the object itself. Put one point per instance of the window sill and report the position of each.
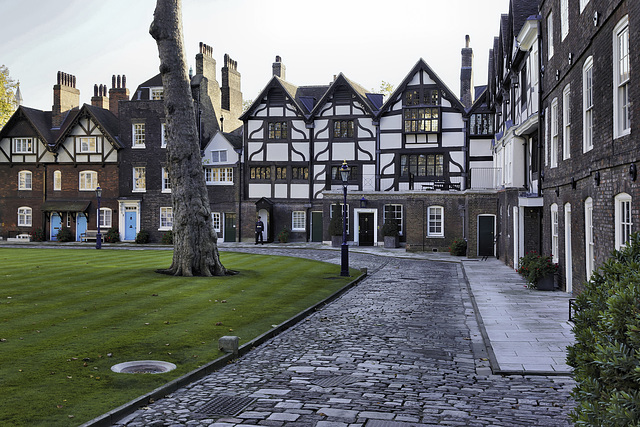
(219, 183)
(435, 237)
(138, 147)
(165, 229)
(139, 190)
(166, 191)
(25, 189)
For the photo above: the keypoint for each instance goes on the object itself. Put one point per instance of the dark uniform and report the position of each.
(259, 230)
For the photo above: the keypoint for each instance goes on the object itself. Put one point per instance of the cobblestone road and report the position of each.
(396, 350)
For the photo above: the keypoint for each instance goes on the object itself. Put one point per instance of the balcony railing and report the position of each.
(486, 178)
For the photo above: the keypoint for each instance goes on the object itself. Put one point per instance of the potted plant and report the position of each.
(390, 231)
(335, 230)
(458, 247)
(283, 236)
(538, 270)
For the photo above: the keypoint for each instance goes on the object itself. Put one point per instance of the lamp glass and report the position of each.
(98, 191)
(344, 172)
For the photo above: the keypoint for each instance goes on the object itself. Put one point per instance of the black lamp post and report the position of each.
(98, 235)
(344, 175)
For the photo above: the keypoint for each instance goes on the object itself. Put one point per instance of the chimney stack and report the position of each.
(205, 64)
(100, 98)
(466, 74)
(65, 97)
(231, 92)
(118, 92)
(279, 69)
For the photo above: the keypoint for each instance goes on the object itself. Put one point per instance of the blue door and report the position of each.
(130, 230)
(56, 223)
(81, 225)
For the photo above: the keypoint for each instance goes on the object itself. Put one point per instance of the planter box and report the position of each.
(391, 241)
(546, 283)
(336, 241)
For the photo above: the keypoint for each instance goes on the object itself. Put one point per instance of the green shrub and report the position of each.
(283, 236)
(112, 236)
(606, 355)
(458, 247)
(390, 228)
(65, 235)
(37, 235)
(335, 225)
(534, 267)
(142, 237)
(167, 238)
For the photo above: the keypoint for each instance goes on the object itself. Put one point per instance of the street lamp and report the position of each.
(98, 235)
(344, 175)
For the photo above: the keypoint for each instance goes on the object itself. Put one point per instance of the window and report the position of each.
(88, 144)
(24, 216)
(554, 232)
(163, 136)
(215, 175)
(583, 4)
(621, 103)
(623, 219)
(278, 130)
(105, 218)
(218, 156)
(566, 121)
(429, 97)
(298, 220)
(260, 172)
(587, 105)
(157, 93)
(343, 129)
(550, 36)
(298, 173)
(435, 217)
(588, 236)
(422, 165)
(393, 212)
(25, 180)
(281, 173)
(139, 178)
(137, 140)
(166, 218)
(216, 220)
(554, 133)
(337, 177)
(421, 120)
(564, 18)
(482, 124)
(57, 181)
(88, 180)
(166, 181)
(22, 145)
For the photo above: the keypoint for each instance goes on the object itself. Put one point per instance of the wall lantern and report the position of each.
(633, 172)
(557, 191)
(363, 202)
(573, 183)
(596, 178)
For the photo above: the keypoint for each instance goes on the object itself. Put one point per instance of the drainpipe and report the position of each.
(376, 123)
(541, 125)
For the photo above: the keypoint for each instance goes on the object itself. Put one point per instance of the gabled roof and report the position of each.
(293, 93)
(520, 11)
(234, 139)
(39, 121)
(421, 65)
(481, 100)
(360, 92)
(104, 119)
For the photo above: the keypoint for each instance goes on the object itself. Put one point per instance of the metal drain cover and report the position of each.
(336, 381)
(143, 367)
(225, 405)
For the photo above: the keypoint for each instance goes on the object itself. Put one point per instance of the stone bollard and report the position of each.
(229, 344)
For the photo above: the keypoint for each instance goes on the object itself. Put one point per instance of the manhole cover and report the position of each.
(335, 381)
(225, 405)
(143, 367)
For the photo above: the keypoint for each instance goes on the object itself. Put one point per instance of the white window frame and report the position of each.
(25, 180)
(589, 255)
(550, 35)
(166, 181)
(156, 93)
(623, 218)
(88, 144)
(22, 145)
(583, 4)
(25, 216)
(298, 221)
(566, 122)
(621, 84)
(554, 133)
(138, 135)
(435, 221)
(106, 216)
(547, 138)
(555, 240)
(217, 156)
(166, 218)
(87, 177)
(218, 176)
(163, 135)
(396, 208)
(587, 105)
(139, 179)
(57, 181)
(216, 220)
(564, 18)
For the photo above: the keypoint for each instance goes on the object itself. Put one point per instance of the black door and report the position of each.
(365, 229)
(486, 236)
(229, 227)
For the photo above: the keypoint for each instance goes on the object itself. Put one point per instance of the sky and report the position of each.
(369, 41)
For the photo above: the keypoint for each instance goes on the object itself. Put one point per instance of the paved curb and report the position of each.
(113, 416)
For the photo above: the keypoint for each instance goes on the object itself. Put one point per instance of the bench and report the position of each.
(89, 235)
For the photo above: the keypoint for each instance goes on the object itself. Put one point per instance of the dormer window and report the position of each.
(157, 93)
(23, 145)
(218, 156)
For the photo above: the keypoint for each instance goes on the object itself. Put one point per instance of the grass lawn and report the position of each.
(68, 315)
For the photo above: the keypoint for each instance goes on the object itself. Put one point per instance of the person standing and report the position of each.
(259, 230)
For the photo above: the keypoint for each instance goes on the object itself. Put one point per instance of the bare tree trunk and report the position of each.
(195, 251)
